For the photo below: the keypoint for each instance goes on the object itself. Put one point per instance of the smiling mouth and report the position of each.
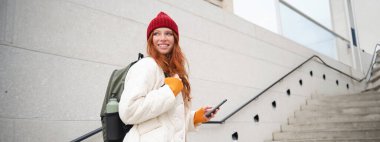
(163, 45)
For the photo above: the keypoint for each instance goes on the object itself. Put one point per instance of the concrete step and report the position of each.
(338, 108)
(354, 118)
(327, 135)
(344, 112)
(339, 95)
(340, 118)
(376, 69)
(363, 103)
(344, 98)
(377, 60)
(373, 88)
(352, 94)
(374, 79)
(333, 140)
(340, 126)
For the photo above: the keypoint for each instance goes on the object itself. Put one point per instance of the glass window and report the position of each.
(300, 29)
(259, 12)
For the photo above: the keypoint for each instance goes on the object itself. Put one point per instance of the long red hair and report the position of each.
(172, 63)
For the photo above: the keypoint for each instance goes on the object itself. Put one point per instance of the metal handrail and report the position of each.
(89, 134)
(374, 56)
(309, 59)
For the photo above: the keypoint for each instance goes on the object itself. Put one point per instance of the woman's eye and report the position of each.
(170, 34)
(155, 34)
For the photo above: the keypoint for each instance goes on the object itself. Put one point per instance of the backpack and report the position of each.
(114, 130)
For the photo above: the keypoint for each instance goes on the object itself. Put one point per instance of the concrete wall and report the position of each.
(340, 25)
(56, 57)
(366, 14)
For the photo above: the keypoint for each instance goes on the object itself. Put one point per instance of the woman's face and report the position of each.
(163, 40)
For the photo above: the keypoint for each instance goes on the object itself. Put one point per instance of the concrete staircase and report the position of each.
(340, 118)
(374, 81)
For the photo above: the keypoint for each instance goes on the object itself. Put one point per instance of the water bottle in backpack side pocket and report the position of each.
(115, 127)
(112, 106)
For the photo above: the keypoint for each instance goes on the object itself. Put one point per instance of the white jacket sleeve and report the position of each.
(140, 101)
(190, 122)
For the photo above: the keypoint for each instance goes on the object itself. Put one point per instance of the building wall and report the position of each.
(56, 57)
(340, 25)
(366, 14)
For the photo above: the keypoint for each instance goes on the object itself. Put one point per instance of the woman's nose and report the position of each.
(162, 37)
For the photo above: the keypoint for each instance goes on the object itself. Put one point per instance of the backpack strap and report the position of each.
(140, 56)
(166, 75)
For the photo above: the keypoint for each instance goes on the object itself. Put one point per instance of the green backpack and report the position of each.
(114, 130)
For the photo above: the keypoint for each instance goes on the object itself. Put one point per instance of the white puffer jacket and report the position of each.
(157, 115)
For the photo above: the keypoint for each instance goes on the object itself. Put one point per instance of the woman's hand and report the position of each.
(175, 84)
(207, 109)
(200, 115)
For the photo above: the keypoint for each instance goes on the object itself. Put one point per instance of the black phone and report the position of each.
(208, 114)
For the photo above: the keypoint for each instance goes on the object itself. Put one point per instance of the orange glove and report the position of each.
(175, 84)
(199, 116)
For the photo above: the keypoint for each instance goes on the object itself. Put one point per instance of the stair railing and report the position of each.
(91, 133)
(373, 61)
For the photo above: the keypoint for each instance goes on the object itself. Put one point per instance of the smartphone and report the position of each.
(208, 114)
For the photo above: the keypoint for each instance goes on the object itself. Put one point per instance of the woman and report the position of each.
(159, 106)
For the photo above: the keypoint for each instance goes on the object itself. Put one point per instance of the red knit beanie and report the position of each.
(162, 20)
